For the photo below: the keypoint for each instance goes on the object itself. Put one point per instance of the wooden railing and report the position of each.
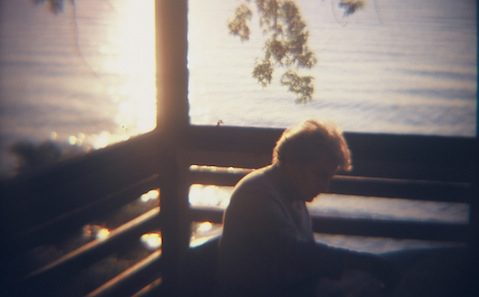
(41, 208)
(424, 168)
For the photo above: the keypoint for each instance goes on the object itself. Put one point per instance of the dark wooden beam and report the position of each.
(435, 231)
(132, 279)
(38, 197)
(94, 250)
(374, 155)
(58, 227)
(172, 122)
(359, 186)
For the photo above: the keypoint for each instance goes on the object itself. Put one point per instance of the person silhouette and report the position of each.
(267, 247)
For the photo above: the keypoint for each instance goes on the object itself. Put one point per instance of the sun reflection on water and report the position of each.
(204, 227)
(150, 195)
(203, 232)
(98, 232)
(125, 65)
(151, 241)
(209, 196)
(134, 39)
(103, 234)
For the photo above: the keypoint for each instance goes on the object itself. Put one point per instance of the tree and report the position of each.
(286, 42)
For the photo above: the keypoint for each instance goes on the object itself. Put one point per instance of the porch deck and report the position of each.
(43, 208)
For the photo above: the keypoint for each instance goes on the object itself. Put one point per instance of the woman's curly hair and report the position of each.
(311, 139)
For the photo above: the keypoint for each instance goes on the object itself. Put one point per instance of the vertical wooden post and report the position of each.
(172, 121)
(474, 203)
(474, 206)
(172, 71)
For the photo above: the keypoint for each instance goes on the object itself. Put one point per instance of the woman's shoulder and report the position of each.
(258, 181)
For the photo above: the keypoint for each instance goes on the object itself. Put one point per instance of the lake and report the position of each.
(395, 67)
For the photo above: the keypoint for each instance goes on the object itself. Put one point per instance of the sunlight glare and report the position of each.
(103, 234)
(204, 227)
(106, 138)
(53, 135)
(150, 195)
(209, 196)
(132, 45)
(203, 232)
(98, 232)
(72, 140)
(151, 241)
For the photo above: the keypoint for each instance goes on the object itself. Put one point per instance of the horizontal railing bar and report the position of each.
(394, 229)
(382, 146)
(401, 188)
(83, 180)
(453, 171)
(152, 289)
(450, 171)
(213, 215)
(63, 224)
(215, 178)
(376, 155)
(77, 167)
(87, 190)
(133, 279)
(94, 250)
(366, 227)
(360, 186)
(228, 158)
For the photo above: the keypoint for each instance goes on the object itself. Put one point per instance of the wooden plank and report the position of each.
(172, 121)
(392, 228)
(132, 279)
(36, 198)
(450, 171)
(400, 188)
(239, 139)
(218, 178)
(153, 289)
(360, 186)
(213, 215)
(75, 168)
(366, 227)
(57, 227)
(474, 208)
(175, 227)
(227, 158)
(375, 155)
(77, 259)
(411, 148)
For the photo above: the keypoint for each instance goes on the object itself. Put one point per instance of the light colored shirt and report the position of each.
(268, 244)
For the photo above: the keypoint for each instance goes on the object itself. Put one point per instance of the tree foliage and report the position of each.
(285, 46)
(286, 42)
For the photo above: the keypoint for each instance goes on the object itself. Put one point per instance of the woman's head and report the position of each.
(310, 141)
